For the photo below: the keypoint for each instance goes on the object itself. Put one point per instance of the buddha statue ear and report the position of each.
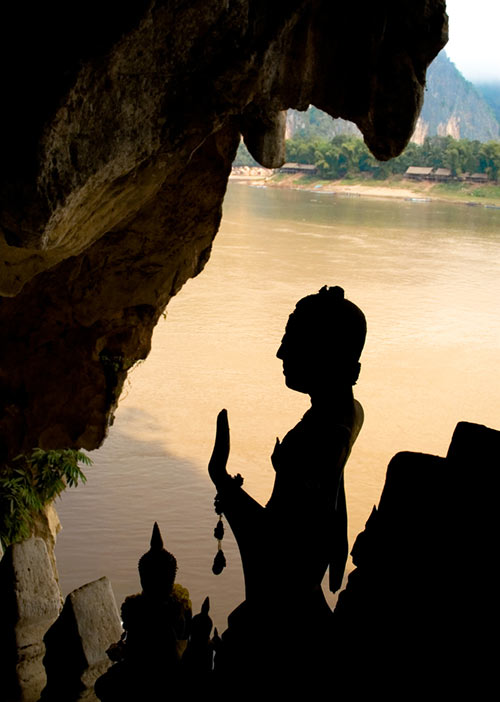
(355, 374)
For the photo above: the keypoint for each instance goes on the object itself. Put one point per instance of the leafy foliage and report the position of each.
(30, 482)
(243, 157)
(347, 156)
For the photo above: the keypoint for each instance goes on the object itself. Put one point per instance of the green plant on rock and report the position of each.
(32, 481)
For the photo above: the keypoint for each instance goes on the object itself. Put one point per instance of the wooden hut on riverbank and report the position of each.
(304, 168)
(418, 172)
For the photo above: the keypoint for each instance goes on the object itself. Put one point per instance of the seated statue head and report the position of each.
(157, 568)
(323, 340)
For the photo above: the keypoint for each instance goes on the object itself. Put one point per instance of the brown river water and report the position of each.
(426, 274)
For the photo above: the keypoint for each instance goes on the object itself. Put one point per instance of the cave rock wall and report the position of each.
(120, 126)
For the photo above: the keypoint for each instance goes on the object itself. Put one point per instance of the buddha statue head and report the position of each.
(323, 340)
(157, 568)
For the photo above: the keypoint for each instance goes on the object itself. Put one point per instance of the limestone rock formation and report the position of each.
(30, 603)
(120, 126)
(77, 642)
(46, 526)
(454, 106)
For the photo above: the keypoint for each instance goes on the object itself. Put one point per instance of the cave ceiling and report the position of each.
(120, 124)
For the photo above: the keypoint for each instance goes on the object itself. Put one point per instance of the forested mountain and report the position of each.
(491, 93)
(452, 106)
(317, 124)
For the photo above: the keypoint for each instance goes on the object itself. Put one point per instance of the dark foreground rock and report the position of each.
(414, 616)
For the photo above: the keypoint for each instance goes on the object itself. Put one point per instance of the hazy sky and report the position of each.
(474, 45)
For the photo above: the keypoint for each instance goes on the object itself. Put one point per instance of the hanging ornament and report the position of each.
(220, 560)
(219, 530)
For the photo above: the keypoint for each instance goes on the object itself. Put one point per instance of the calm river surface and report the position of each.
(427, 276)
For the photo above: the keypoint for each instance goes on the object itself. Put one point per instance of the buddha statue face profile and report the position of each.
(323, 341)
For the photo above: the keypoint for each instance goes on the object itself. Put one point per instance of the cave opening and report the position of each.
(408, 264)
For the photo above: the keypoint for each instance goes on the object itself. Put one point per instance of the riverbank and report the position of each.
(395, 187)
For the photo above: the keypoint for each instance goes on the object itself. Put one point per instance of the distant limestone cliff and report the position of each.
(317, 124)
(452, 106)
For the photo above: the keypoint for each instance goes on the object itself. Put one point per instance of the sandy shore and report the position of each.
(371, 191)
(356, 190)
(423, 191)
(266, 178)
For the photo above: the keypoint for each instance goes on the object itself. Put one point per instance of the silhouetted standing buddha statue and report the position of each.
(287, 546)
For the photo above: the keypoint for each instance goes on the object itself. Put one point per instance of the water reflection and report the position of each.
(135, 481)
(427, 276)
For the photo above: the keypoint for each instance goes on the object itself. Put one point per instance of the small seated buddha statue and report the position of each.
(156, 623)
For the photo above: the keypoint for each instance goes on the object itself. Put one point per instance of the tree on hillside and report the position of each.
(489, 159)
(347, 156)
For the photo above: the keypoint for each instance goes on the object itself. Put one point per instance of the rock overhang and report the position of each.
(119, 142)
